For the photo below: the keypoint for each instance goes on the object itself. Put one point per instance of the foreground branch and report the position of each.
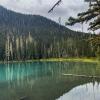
(54, 6)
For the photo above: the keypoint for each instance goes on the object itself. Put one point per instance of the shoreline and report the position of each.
(88, 60)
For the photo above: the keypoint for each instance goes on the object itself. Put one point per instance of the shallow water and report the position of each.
(45, 81)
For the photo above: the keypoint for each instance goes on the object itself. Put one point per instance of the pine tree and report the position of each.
(7, 48)
(98, 52)
(92, 13)
(18, 48)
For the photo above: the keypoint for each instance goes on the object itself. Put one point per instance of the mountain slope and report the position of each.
(34, 36)
(22, 24)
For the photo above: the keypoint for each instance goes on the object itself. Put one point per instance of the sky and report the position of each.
(41, 7)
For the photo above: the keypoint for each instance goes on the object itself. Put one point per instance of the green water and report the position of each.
(45, 81)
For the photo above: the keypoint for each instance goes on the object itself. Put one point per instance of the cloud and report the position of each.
(40, 7)
(39, 1)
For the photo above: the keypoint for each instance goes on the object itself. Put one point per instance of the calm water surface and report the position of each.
(45, 81)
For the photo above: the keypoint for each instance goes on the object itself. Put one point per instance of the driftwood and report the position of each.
(55, 6)
(81, 75)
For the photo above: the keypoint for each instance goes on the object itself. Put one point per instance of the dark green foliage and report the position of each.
(34, 36)
(98, 53)
(95, 41)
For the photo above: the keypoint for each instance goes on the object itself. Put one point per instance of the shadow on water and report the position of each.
(44, 80)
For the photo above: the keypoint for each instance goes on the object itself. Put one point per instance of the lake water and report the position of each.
(46, 81)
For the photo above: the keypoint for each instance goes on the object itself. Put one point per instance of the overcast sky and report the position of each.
(40, 7)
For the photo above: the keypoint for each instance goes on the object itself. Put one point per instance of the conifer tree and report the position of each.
(92, 15)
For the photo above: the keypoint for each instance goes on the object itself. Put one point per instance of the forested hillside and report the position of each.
(32, 36)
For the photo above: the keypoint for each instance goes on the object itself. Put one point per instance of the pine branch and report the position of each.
(54, 6)
(91, 13)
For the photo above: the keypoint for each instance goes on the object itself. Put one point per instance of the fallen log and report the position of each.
(76, 75)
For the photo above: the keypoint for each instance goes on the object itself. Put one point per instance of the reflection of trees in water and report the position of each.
(87, 91)
(98, 69)
(26, 71)
(44, 80)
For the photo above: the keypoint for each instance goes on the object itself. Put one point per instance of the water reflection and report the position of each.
(44, 80)
(88, 91)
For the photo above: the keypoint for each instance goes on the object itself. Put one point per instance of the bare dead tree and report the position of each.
(58, 2)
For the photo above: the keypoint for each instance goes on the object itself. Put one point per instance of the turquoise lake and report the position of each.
(46, 81)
